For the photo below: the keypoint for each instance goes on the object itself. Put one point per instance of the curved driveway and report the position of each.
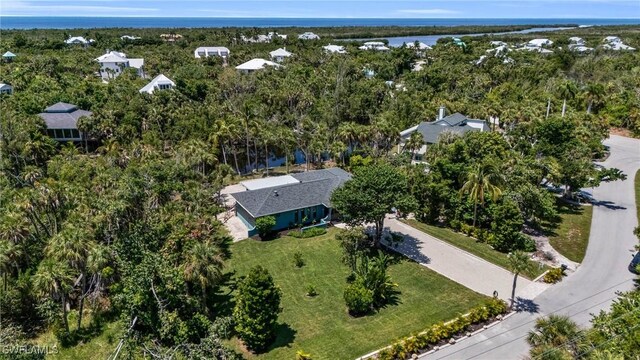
(593, 286)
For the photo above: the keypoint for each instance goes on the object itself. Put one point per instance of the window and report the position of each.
(75, 133)
(314, 212)
(51, 133)
(295, 216)
(59, 134)
(67, 134)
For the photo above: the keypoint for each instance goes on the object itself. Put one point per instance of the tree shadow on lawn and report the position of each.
(548, 227)
(222, 302)
(285, 335)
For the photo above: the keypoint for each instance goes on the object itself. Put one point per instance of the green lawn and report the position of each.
(637, 186)
(99, 347)
(570, 234)
(472, 246)
(321, 326)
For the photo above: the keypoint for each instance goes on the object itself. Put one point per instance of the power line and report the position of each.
(532, 321)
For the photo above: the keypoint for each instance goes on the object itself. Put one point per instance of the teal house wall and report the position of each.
(286, 220)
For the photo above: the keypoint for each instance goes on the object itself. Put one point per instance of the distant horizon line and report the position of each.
(318, 17)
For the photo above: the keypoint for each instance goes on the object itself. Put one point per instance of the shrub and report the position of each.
(553, 276)
(301, 355)
(358, 298)
(298, 260)
(308, 233)
(529, 244)
(257, 308)
(495, 307)
(466, 229)
(311, 291)
(455, 224)
(222, 327)
(264, 225)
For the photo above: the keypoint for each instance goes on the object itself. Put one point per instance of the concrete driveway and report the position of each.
(593, 286)
(234, 225)
(460, 266)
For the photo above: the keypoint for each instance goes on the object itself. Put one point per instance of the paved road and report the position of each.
(593, 286)
(458, 265)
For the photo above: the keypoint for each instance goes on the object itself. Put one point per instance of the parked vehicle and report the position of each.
(633, 266)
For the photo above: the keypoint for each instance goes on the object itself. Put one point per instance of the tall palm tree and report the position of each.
(482, 180)
(594, 93)
(555, 337)
(54, 279)
(9, 255)
(567, 91)
(203, 265)
(414, 143)
(518, 263)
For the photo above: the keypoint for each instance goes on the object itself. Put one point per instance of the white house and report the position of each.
(273, 35)
(6, 89)
(129, 37)
(255, 64)
(308, 36)
(497, 43)
(538, 43)
(421, 46)
(576, 40)
(113, 63)
(499, 50)
(159, 82)
(615, 43)
(8, 56)
(78, 40)
(335, 49)
(374, 45)
(431, 131)
(280, 54)
(206, 51)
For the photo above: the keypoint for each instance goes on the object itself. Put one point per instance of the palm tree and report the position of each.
(566, 91)
(204, 263)
(593, 94)
(54, 278)
(484, 179)
(518, 263)
(9, 255)
(555, 337)
(414, 143)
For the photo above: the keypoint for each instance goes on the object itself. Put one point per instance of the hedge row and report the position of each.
(442, 331)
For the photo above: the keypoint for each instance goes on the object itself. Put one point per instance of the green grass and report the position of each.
(321, 326)
(637, 187)
(98, 347)
(474, 247)
(569, 234)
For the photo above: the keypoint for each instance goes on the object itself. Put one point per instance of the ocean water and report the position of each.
(20, 22)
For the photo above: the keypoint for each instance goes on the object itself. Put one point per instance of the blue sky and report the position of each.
(328, 9)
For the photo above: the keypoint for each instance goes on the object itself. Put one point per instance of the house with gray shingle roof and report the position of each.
(62, 121)
(296, 200)
(432, 130)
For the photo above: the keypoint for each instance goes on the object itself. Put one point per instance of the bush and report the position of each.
(264, 225)
(298, 260)
(301, 355)
(553, 276)
(257, 308)
(358, 298)
(466, 229)
(311, 291)
(222, 327)
(495, 307)
(455, 225)
(308, 233)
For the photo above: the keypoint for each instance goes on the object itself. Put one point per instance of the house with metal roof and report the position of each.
(62, 121)
(432, 130)
(374, 45)
(255, 64)
(616, 44)
(334, 49)
(206, 51)
(300, 199)
(113, 63)
(280, 54)
(8, 56)
(159, 82)
(78, 40)
(308, 36)
(6, 89)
